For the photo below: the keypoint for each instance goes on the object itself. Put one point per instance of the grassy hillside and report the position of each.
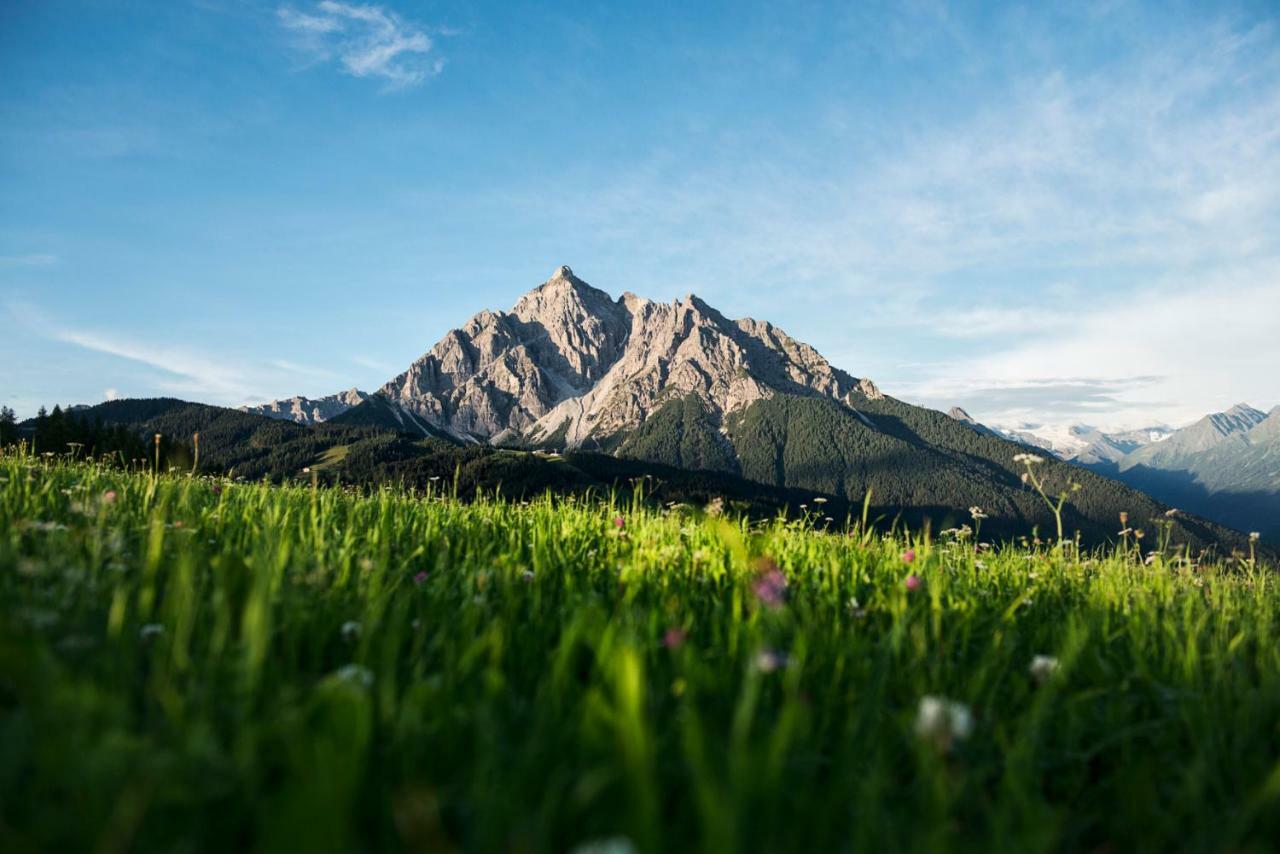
(199, 664)
(917, 463)
(920, 466)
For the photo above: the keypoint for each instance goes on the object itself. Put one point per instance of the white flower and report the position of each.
(1029, 459)
(351, 630)
(768, 660)
(1043, 668)
(1254, 536)
(611, 845)
(356, 675)
(976, 513)
(819, 500)
(943, 722)
(151, 630)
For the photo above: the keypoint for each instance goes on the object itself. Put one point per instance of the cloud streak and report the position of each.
(221, 378)
(367, 41)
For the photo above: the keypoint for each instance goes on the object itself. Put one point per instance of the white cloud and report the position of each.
(1171, 353)
(110, 393)
(1092, 225)
(37, 260)
(221, 377)
(366, 40)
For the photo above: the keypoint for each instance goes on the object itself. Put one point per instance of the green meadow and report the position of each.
(197, 664)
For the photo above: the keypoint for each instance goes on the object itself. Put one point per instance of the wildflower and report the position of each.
(943, 722)
(913, 582)
(421, 577)
(356, 675)
(819, 500)
(855, 608)
(350, 630)
(1124, 519)
(306, 469)
(610, 845)
(527, 576)
(1043, 668)
(1028, 459)
(151, 630)
(770, 586)
(109, 497)
(1254, 536)
(674, 637)
(908, 556)
(769, 660)
(1172, 511)
(976, 513)
(619, 522)
(217, 490)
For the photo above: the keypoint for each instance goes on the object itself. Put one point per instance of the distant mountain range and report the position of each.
(571, 369)
(1226, 466)
(1079, 443)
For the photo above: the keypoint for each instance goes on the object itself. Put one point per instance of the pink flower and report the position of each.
(913, 582)
(770, 585)
(619, 522)
(908, 556)
(217, 490)
(421, 577)
(674, 637)
(109, 496)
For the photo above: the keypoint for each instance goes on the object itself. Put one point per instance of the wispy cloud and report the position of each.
(366, 40)
(1102, 220)
(223, 378)
(39, 260)
(1171, 351)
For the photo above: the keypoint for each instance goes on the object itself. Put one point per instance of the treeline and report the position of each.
(919, 466)
(68, 432)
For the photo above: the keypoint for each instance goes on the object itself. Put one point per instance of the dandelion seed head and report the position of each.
(943, 722)
(1043, 668)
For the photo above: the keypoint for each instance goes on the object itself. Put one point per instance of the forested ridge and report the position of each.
(919, 466)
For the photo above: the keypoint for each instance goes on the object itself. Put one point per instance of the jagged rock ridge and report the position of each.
(570, 365)
(306, 410)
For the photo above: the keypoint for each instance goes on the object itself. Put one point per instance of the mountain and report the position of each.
(1226, 466)
(569, 365)
(571, 369)
(1182, 448)
(1083, 444)
(965, 418)
(306, 410)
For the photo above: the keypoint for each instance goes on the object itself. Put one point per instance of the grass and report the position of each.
(189, 664)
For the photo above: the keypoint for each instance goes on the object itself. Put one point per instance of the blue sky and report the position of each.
(1042, 216)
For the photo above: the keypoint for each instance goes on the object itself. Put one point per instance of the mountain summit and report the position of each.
(572, 366)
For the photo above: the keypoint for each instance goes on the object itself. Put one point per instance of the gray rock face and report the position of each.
(1180, 449)
(305, 410)
(570, 364)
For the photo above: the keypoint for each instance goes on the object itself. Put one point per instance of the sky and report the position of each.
(1044, 216)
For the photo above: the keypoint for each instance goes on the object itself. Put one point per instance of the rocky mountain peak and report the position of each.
(569, 364)
(569, 360)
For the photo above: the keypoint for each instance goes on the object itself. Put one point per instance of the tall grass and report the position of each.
(191, 664)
